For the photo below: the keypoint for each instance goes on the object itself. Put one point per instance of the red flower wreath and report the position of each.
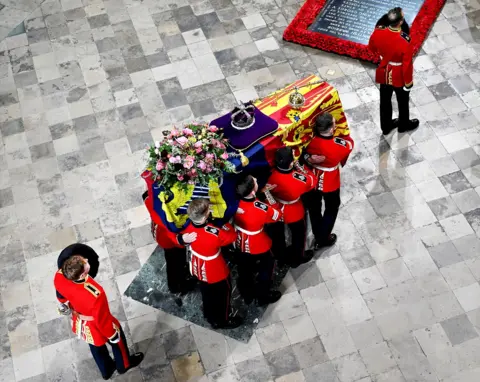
(298, 31)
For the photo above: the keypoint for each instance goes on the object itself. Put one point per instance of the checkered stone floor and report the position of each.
(92, 82)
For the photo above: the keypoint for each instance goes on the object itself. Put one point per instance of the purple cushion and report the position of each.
(241, 139)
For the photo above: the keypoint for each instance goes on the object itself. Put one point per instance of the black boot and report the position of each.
(412, 125)
(109, 375)
(307, 256)
(231, 323)
(270, 298)
(135, 360)
(331, 240)
(392, 127)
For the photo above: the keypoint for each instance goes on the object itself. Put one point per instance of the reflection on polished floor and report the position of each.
(86, 84)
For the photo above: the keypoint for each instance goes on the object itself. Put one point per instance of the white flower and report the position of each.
(157, 144)
(157, 152)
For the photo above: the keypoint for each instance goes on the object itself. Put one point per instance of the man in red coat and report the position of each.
(334, 152)
(395, 72)
(208, 265)
(178, 277)
(91, 317)
(287, 184)
(254, 245)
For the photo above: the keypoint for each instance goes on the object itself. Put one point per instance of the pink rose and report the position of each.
(188, 132)
(224, 156)
(198, 144)
(189, 161)
(209, 156)
(201, 165)
(180, 177)
(160, 165)
(209, 169)
(213, 129)
(174, 133)
(175, 159)
(182, 140)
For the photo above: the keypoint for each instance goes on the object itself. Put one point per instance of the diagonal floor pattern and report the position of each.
(92, 82)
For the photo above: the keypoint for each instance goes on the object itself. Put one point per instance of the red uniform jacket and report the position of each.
(289, 186)
(393, 46)
(205, 257)
(336, 151)
(164, 238)
(87, 298)
(251, 238)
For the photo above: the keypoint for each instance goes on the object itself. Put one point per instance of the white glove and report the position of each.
(407, 89)
(64, 309)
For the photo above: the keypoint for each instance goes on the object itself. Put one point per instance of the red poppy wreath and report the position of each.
(298, 31)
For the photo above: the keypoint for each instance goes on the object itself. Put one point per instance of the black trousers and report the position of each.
(255, 274)
(296, 251)
(216, 300)
(177, 268)
(322, 224)
(120, 353)
(403, 99)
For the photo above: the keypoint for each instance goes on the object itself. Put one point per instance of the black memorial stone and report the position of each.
(149, 287)
(355, 20)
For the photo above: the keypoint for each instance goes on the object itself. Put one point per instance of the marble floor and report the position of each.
(86, 84)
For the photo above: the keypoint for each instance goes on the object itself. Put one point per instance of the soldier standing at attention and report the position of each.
(254, 245)
(395, 72)
(208, 265)
(325, 154)
(92, 321)
(287, 184)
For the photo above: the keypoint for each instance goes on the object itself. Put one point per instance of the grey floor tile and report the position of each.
(54, 331)
(282, 362)
(254, 370)
(321, 373)
(445, 254)
(310, 352)
(459, 329)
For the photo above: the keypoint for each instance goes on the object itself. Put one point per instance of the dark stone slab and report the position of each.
(150, 287)
(354, 20)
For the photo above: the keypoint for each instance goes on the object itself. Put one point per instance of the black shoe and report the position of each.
(270, 298)
(231, 323)
(307, 256)
(332, 239)
(135, 360)
(109, 375)
(414, 123)
(392, 127)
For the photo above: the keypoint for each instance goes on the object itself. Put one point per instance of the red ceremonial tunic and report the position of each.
(163, 236)
(336, 151)
(205, 257)
(87, 298)
(396, 66)
(288, 187)
(251, 238)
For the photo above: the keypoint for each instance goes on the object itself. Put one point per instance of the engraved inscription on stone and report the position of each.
(354, 20)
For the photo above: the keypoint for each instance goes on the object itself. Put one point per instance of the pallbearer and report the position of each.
(254, 245)
(91, 318)
(208, 265)
(287, 184)
(325, 154)
(178, 277)
(395, 71)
